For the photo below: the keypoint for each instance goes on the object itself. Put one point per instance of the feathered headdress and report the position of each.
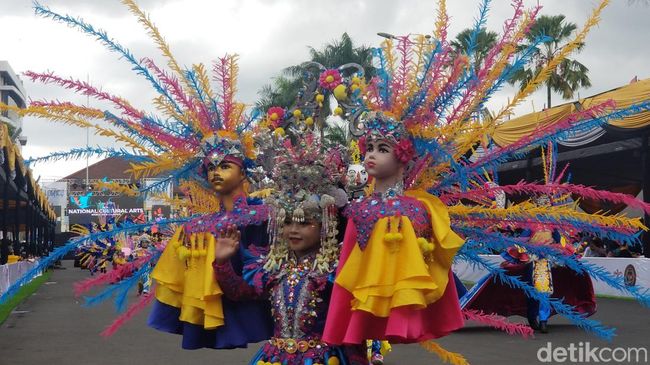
(429, 99)
(195, 124)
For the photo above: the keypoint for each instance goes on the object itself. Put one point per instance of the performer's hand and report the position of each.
(227, 244)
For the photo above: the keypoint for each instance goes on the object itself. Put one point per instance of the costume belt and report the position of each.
(293, 345)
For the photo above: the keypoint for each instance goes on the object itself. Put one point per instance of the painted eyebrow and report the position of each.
(385, 145)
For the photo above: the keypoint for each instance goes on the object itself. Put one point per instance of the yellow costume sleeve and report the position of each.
(186, 279)
(169, 272)
(446, 242)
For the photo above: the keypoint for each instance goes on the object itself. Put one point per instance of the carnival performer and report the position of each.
(185, 268)
(296, 274)
(386, 230)
(97, 255)
(418, 121)
(199, 139)
(539, 269)
(356, 184)
(144, 248)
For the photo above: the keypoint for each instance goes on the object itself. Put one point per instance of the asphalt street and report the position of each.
(52, 327)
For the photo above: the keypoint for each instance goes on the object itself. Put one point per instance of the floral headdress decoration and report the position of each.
(345, 84)
(381, 126)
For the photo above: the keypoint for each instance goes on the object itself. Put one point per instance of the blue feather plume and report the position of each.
(103, 37)
(59, 252)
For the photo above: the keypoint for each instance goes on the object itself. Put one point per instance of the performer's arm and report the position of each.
(233, 285)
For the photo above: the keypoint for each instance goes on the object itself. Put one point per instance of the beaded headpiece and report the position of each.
(344, 84)
(305, 179)
(380, 125)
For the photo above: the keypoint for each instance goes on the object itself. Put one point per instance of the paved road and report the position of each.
(51, 327)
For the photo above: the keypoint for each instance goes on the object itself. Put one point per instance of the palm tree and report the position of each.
(282, 92)
(569, 75)
(336, 135)
(485, 40)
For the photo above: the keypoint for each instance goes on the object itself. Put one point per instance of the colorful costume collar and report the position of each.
(365, 212)
(241, 215)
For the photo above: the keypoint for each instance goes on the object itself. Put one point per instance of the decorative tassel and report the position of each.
(393, 238)
(298, 215)
(425, 246)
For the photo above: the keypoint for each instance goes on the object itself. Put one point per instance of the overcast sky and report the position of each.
(268, 35)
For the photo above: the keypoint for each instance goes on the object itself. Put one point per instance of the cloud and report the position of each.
(268, 36)
(106, 7)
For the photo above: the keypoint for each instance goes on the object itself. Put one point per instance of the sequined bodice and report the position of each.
(241, 215)
(299, 301)
(366, 211)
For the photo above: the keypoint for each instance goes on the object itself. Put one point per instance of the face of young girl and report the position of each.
(302, 237)
(380, 160)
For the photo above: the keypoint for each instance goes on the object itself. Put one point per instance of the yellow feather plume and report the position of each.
(154, 33)
(198, 198)
(389, 53)
(118, 188)
(75, 115)
(444, 355)
(531, 211)
(442, 21)
(152, 168)
(204, 80)
(79, 230)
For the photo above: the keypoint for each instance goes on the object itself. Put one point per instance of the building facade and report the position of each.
(12, 93)
(79, 199)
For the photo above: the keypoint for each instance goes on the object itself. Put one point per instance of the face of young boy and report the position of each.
(225, 177)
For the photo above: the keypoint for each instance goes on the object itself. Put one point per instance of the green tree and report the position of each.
(569, 75)
(282, 92)
(485, 40)
(336, 135)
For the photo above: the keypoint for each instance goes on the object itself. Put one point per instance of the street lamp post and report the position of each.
(391, 36)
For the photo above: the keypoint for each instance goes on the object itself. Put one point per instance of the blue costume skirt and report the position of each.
(245, 322)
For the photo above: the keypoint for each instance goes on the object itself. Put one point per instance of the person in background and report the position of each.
(12, 258)
(596, 248)
(4, 250)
